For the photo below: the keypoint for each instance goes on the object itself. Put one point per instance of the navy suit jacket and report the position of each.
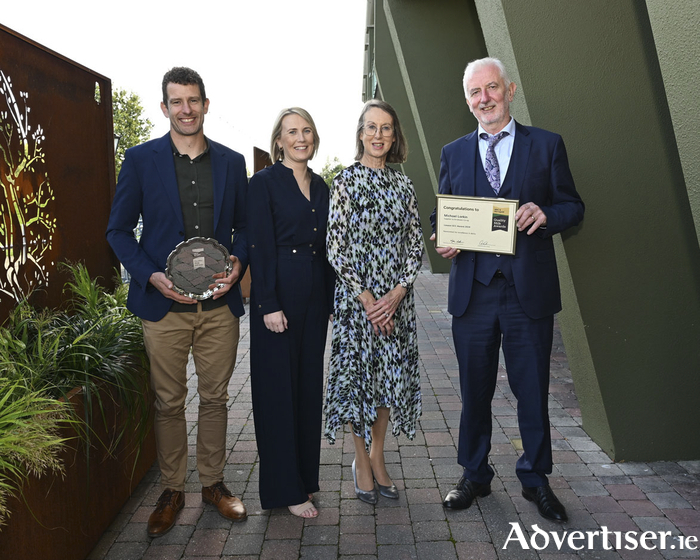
(147, 186)
(539, 172)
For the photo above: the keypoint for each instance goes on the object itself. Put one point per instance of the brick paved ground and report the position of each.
(623, 497)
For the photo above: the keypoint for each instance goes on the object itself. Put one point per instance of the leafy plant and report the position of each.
(130, 125)
(105, 348)
(29, 440)
(330, 170)
(95, 344)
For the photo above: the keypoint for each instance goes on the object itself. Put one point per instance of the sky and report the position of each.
(255, 57)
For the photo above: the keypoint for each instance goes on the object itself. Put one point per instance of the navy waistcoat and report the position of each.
(487, 264)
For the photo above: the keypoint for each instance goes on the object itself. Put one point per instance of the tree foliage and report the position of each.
(129, 123)
(331, 169)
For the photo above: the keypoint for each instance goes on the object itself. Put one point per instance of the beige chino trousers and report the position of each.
(213, 338)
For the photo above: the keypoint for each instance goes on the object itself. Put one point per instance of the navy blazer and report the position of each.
(539, 171)
(147, 186)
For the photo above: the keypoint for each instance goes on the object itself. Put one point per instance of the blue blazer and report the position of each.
(539, 172)
(147, 186)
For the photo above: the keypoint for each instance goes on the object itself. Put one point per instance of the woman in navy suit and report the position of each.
(291, 301)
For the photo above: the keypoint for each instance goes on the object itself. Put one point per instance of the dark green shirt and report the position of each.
(196, 186)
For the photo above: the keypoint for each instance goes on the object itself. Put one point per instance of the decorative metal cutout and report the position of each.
(27, 224)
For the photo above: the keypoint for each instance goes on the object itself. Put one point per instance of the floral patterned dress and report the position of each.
(374, 243)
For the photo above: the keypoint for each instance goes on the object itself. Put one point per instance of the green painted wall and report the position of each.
(676, 26)
(590, 72)
(421, 49)
(615, 79)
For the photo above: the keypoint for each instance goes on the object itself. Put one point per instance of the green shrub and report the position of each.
(95, 344)
(29, 440)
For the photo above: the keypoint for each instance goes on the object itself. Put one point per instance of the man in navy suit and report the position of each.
(507, 300)
(184, 185)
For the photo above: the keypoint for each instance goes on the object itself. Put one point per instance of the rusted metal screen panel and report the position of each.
(261, 159)
(56, 168)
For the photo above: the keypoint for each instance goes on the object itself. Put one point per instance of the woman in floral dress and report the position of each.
(375, 246)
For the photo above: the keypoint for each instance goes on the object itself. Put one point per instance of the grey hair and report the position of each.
(475, 65)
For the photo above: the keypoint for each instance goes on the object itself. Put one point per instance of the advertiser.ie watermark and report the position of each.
(609, 540)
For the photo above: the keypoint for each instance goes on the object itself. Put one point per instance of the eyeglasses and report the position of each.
(385, 130)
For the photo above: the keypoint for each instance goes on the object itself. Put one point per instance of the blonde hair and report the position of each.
(276, 152)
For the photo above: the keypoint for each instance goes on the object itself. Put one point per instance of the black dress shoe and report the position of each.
(548, 504)
(465, 492)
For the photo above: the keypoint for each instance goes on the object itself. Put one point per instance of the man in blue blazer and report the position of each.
(507, 299)
(184, 185)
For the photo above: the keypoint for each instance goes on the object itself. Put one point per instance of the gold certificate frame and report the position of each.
(473, 223)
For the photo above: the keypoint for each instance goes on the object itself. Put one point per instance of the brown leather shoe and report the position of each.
(228, 505)
(163, 517)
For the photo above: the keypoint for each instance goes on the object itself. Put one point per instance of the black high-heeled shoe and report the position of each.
(370, 496)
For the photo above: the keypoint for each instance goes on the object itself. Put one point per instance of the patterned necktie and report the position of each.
(493, 171)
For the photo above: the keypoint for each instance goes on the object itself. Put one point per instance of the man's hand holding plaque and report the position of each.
(224, 281)
(475, 224)
(195, 263)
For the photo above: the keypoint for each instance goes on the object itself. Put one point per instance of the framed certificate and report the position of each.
(476, 224)
(193, 262)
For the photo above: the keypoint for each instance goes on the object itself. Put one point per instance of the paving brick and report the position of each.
(132, 532)
(601, 504)
(358, 544)
(207, 542)
(126, 551)
(431, 531)
(358, 524)
(179, 534)
(625, 492)
(413, 451)
(284, 527)
(605, 471)
(436, 439)
(211, 519)
(684, 517)
(476, 551)
(668, 500)
(423, 496)
(640, 508)
(320, 535)
(690, 466)
(469, 531)
(325, 552)
(395, 534)
(656, 524)
(427, 512)
(277, 550)
(238, 545)
(442, 550)
(393, 516)
(588, 488)
(573, 470)
(615, 521)
(595, 491)
(167, 552)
